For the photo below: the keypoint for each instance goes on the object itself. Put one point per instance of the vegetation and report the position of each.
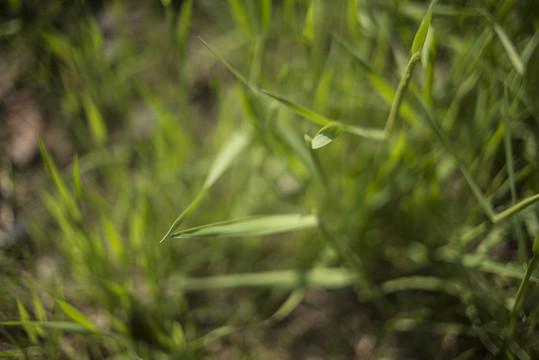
(338, 179)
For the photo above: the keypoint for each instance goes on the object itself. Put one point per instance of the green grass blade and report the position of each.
(56, 325)
(306, 113)
(251, 226)
(96, 124)
(516, 208)
(507, 145)
(510, 49)
(325, 135)
(368, 133)
(308, 26)
(287, 307)
(30, 330)
(401, 91)
(76, 315)
(326, 278)
(182, 30)
(240, 16)
(65, 194)
(421, 34)
(236, 73)
(232, 149)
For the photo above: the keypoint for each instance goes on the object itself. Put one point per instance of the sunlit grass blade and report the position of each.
(290, 304)
(76, 315)
(65, 194)
(325, 135)
(326, 278)
(55, 325)
(308, 26)
(421, 34)
(367, 133)
(510, 49)
(96, 124)
(300, 110)
(232, 149)
(251, 226)
(182, 30)
(30, 330)
(516, 208)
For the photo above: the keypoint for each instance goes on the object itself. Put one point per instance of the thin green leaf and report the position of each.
(510, 49)
(76, 315)
(251, 226)
(507, 145)
(96, 124)
(421, 35)
(308, 26)
(367, 133)
(327, 278)
(233, 147)
(516, 208)
(291, 303)
(184, 23)
(427, 283)
(30, 331)
(265, 14)
(56, 325)
(76, 178)
(300, 110)
(325, 135)
(222, 162)
(57, 180)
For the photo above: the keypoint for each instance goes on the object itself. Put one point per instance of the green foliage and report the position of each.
(378, 233)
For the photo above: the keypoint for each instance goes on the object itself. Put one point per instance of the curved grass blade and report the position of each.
(325, 135)
(300, 110)
(76, 315)
(326, 278)
(510, 49)
(421, 35)
(251, 226)
(222, 162)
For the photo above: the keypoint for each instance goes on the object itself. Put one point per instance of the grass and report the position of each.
(275, 179)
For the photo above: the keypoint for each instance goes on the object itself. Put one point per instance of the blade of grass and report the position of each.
(307, 114)
(251, 226)
(507, 145)
(331, 128)
(56, 325)
(76, 315)
(58, 182)
(326, 278)
(232, 149)
(421, 34)
(510, 49)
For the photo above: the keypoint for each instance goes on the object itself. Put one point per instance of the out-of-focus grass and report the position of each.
(419, 195)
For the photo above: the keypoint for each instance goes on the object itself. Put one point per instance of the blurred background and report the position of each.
(413, 256)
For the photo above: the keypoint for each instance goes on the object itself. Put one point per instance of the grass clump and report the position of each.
(351, 179)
